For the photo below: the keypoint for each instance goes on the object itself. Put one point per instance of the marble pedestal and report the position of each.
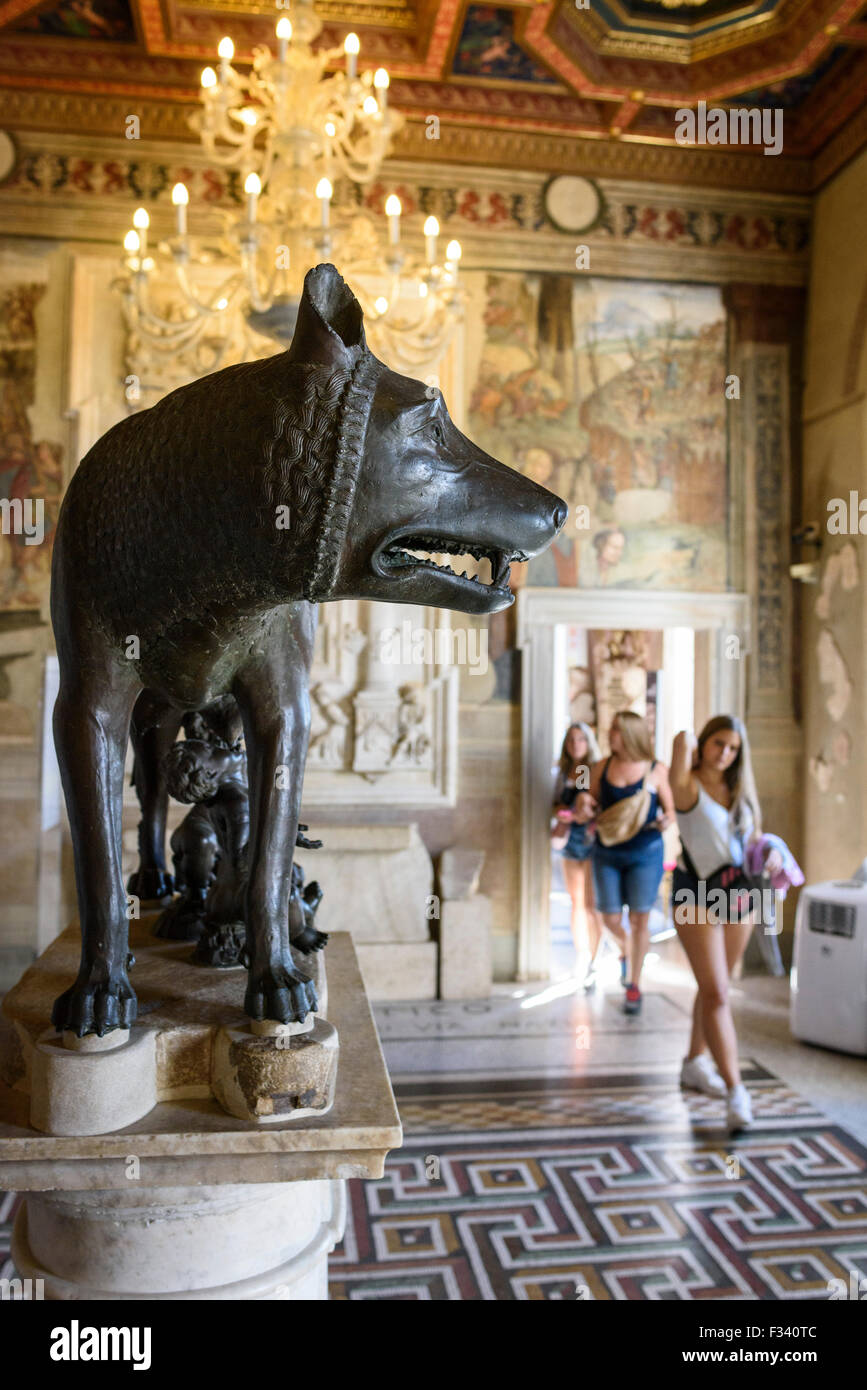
(386, 874)
(189, 1202)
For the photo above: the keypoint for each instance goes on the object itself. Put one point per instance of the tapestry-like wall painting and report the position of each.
(612, 394)
(31, 470)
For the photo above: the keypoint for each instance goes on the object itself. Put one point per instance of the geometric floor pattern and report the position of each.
(605, 1188)
(8, 1203)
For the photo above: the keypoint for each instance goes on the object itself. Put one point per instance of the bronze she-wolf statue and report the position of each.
(193, 545)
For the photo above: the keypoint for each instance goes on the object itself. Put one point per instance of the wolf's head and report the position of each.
(404, 484)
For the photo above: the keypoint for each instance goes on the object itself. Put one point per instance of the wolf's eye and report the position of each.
(438, 433)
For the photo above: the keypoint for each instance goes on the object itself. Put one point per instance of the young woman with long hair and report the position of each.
(578, 752)
(718, 815)
(630, 798)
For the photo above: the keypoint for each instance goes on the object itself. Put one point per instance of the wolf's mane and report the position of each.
(300, 454)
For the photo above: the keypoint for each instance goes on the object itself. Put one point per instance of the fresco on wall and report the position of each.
(612, 393)
(30, 469)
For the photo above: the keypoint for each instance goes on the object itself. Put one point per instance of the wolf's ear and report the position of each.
(330, 326)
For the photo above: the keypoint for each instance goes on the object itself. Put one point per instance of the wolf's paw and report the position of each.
(96, 1006)
(281, 993)
(151, 885)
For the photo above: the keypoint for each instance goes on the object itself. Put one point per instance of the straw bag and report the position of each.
(623, 819)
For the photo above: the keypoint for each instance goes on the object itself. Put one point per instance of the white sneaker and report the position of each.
(700, 1074)
(740, 1111)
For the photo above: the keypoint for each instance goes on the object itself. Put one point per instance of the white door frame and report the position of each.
(540, 611)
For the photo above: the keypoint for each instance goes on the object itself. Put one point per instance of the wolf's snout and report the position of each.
(561, 511)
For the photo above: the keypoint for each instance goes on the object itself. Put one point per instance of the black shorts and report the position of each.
(692, 901)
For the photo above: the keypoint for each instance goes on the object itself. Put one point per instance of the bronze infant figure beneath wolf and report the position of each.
(209, 858)
(209, 527)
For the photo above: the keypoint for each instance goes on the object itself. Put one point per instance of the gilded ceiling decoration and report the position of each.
(508, 82)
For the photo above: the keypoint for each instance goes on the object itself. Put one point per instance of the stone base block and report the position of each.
(94, 1090)
(285, 1076)
(399, 969)
(466, 967)
(97, 1086)
(249, 1241)
(376, 880)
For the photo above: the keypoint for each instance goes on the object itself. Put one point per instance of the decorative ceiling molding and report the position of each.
(463, 140)
(636, 43)
(619, 72)
(75, 187)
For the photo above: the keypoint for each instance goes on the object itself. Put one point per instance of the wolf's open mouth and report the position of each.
(416, 552)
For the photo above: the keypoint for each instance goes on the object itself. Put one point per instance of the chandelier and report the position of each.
(293, 133)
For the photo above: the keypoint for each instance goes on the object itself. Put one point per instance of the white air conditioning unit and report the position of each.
(829, 970)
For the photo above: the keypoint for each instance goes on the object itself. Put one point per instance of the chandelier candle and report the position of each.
(180, 198)
(380, 82)
(252, 188)
(132, 245)
(284, 34)
(226, 51)
(352, 48)
(431, 232)
(392, 212)
(141, 222)
(323, 193)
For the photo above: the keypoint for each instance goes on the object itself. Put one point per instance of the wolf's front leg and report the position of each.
(272, 694)
(91, 726)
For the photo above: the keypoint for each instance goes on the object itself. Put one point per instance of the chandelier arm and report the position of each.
(169, 346)
(261, 304)
(170, 336)
(227, 291)
(410, 352)
(355, 166)
(224, 160)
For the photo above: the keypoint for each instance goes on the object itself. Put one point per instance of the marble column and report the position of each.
(765, 345)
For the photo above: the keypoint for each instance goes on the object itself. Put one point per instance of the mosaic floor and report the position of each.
(607, 1188)
(7, 1203)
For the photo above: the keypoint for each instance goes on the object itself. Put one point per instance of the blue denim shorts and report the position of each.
(579, 846)
(627, 877)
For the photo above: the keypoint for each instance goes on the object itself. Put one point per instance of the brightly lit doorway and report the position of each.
(694, 650)
(597, 673)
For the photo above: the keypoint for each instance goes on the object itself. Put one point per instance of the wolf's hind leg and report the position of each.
(91, 727)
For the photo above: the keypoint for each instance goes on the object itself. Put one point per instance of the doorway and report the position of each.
(596, 674)
(694, 649)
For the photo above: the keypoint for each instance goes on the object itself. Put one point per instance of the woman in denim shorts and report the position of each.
(578, 752)
(629, 874)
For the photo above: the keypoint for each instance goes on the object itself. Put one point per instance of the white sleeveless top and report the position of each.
(708, 833)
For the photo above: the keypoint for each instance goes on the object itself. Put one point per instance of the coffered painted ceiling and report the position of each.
(548, 85)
